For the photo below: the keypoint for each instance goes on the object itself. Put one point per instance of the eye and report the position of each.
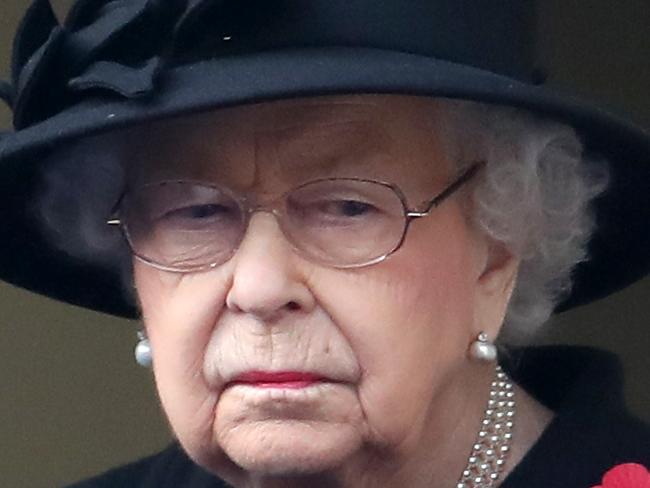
(337, 208)
(200, 213)
(350, 208)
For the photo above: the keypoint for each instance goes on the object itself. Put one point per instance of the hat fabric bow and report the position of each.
(110, 46)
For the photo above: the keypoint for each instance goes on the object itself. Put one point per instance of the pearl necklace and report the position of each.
(489, 453)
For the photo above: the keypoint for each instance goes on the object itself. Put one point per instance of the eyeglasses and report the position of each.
(186, 226)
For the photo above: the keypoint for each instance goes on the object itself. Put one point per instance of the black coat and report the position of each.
(590, 433)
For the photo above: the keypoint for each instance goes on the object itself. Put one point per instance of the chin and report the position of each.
(294, 448)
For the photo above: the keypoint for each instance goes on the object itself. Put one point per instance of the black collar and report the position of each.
(591, 431)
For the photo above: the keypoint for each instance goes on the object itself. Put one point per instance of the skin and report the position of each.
(405, 402)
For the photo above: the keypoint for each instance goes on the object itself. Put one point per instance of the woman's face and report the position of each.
(387, 343)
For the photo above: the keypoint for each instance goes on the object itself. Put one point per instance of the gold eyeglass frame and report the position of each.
(409, 216)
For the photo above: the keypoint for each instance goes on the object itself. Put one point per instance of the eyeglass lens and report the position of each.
(338, 222)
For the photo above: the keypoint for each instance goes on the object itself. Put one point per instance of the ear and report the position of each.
(497, 276)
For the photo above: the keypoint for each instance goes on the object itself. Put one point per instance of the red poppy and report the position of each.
(628, 475)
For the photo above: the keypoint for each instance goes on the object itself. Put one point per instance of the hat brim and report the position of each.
(619, 249)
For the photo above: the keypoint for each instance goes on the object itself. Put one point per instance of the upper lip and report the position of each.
(277, 377)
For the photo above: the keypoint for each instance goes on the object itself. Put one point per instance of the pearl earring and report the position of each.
(482, 349)
(143, 350)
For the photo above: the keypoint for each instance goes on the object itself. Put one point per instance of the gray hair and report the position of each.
(534, 196)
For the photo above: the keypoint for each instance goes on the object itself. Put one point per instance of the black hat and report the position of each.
(122, 62)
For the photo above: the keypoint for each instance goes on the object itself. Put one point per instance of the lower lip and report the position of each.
(290, 381)
(291, 385)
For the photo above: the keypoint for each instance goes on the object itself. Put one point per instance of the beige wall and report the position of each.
(73, 402)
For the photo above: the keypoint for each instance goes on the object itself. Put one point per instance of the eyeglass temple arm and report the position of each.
(114, 218)
(467, 175)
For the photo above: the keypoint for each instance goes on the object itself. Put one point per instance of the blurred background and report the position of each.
(74, 403)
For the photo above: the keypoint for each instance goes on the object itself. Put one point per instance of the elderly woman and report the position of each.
(325, 214)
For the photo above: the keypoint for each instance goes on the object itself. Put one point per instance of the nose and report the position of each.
(267, 279)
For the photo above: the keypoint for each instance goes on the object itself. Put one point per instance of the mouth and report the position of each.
(293, 380)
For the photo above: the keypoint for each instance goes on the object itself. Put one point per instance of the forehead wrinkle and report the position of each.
(194, 148)
(323, 147)
(312, 110)
(308, 119)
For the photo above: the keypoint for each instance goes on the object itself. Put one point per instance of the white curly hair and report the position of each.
(534, 196)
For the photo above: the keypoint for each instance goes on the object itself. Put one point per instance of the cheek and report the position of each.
(179, 313)
(408, 320)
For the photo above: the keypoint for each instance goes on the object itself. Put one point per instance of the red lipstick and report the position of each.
(279, 379)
